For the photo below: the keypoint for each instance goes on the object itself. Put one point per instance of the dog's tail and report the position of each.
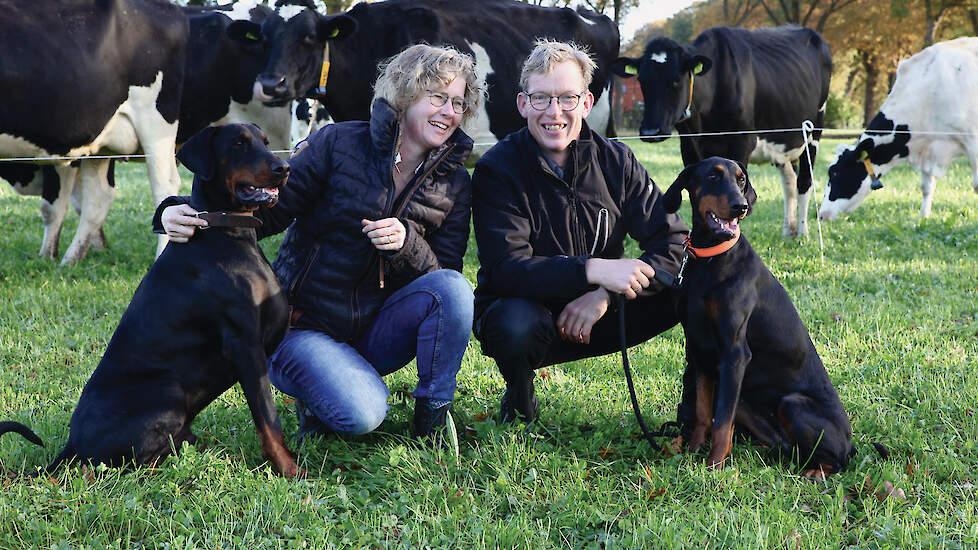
(23, 430)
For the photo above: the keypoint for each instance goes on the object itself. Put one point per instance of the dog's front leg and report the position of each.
(730, 376)
(251, 366)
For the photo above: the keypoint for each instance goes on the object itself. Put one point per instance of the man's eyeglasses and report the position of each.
(566, 102)
(438, 99)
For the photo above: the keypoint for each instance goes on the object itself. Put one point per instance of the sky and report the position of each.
(647, 12)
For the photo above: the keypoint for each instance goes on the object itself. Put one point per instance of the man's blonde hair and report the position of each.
(404, 77)
(548, 53)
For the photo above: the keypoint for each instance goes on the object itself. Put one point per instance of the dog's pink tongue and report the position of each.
(730, 225)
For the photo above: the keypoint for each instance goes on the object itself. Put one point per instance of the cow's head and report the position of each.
(857, 169)
(665, 72)
(296, 36)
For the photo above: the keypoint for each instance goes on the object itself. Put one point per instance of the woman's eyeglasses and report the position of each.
(438, 99)
(566, 102)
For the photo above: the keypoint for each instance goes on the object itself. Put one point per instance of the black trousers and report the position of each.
(522, 336)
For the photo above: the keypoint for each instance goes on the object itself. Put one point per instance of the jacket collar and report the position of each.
(578, 148)
(384, 127)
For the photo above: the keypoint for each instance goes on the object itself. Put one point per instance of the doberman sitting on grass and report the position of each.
(205, 316)
(750, 361)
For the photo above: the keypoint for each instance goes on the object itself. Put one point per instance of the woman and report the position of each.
(378, 221)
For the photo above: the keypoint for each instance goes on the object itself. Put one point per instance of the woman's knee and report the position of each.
(355, 417)
(454, 295)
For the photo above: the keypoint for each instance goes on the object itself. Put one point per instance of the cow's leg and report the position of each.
(98, 239)
(96, 198)
(927, 184)
(789, 185)
(54, 207)
(972, 149)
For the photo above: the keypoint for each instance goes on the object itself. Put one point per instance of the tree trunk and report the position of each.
(931, 23)
(973, 17)
(870, 103)
(618, 103)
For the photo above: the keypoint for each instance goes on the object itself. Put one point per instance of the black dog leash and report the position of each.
(668, 429)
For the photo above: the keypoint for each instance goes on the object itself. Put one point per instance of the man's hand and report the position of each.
(179, 223)
(625, 276)
(578, 317)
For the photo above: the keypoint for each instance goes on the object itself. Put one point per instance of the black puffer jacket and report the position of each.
(536, 230)
(330, 269)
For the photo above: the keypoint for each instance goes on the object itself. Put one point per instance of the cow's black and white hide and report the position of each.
(84, 78)
(928, 119)
(739, 80)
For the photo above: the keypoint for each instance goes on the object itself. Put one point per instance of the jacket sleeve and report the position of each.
(443, 248)
(660, 234)
(502, 231)
(308, 178)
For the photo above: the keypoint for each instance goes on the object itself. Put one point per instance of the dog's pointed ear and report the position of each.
(673, 197)
(749, 192)
(196, 154)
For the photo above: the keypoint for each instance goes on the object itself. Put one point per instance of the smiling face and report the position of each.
(426, 126)
(553, 128)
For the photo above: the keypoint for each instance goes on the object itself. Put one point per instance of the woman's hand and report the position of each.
(386, 234)
(179, 222)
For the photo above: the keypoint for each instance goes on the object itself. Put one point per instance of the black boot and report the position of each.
(428, 418)
(519, 401)
(309, 423)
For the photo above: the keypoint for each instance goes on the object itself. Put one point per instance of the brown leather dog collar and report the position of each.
(714, 250)
(228, 219)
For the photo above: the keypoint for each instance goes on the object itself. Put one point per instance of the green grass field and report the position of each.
(892, 312)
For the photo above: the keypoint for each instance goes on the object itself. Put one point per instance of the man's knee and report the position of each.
(515, 327)
(359, 418)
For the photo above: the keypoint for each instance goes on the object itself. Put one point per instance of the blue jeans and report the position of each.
(430, 318)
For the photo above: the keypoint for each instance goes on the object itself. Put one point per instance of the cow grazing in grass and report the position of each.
(929, 119)
(85, 78)
(499, 34)
(731, 80)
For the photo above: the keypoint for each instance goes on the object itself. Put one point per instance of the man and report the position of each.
(552, 204)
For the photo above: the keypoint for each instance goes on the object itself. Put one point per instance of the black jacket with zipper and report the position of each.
(536, 230)
(327, 265)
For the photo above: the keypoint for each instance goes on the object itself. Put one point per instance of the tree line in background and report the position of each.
(868, 38)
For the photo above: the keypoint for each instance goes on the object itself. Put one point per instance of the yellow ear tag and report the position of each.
(631, 69)
(863, 155)
(335, 32)
(252, 36)
(698, 69)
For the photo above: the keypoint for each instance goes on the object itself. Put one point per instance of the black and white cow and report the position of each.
(224, 58)
(929, 119)
(84, 78)
(730, 80)
(499, 34)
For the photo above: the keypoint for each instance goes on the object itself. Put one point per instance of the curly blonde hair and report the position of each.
(548, 53)
(404, 77)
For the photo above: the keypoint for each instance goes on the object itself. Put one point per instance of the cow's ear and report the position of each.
(335, 27)
(625, 67)
(698, 64)
(673, 197)
(245, 32)
(197, 154)
(749, 192)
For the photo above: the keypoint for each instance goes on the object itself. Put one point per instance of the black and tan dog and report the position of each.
(205, 316)
(750, 361)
